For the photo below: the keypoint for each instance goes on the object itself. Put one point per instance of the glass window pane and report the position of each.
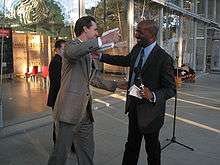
(217, 11)
(170, 32)
(176, 2)
(33, 26)
(211, 9)
(188, 5)
(36, 25)
(201, 7)
(188, 40)
(200, 49)
(111, 14)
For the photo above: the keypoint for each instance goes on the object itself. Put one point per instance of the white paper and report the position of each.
(135, 91)
(108, 45)
(109, 31)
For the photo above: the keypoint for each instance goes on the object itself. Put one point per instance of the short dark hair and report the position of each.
(153, 26)
(81, 22)
(59, 42)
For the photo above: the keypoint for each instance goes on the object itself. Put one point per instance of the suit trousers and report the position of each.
(133, 144)
(83, 141)
(55, 132)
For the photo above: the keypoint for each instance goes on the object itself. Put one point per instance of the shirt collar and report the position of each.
(151, 46)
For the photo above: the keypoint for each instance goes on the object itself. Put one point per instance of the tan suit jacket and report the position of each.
(77, 75)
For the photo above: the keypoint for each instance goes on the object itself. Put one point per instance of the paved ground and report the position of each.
(25, 100)
(197, 126)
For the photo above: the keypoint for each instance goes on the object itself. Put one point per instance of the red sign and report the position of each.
(5, 32)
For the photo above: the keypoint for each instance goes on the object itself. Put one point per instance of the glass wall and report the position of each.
(188, 40)
(217, 11)
(35, 26)
(176, 2)
(200, 49)
(171, 32)
(201, 7)
(188, 5)
(211, 9)
(111, 14)
(216, 51)
(29, 29)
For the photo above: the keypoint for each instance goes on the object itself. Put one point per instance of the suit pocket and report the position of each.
(146, 113)
(71, 106)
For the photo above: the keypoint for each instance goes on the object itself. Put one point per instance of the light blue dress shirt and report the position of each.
(147, 51)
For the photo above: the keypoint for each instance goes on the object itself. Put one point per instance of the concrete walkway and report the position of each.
(197, 125)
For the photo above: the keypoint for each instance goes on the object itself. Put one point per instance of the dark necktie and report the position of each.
(137, 70)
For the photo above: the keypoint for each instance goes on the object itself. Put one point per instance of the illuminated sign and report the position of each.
(5, 32)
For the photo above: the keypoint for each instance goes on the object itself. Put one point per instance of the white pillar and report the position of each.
(131, 23)
(81, 8)
(180, 39)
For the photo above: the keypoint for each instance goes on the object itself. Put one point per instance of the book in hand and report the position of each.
(135, 91)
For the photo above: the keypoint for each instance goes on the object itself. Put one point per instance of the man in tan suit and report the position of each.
(73, 107)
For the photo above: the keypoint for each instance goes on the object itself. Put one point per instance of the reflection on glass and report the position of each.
(201, 7)
(176, 2)
(111, 14)
(187, 41)
(170, 33)
(211, 9)
(200, 49)
(36, 24)
(216, 54)
(188, 5)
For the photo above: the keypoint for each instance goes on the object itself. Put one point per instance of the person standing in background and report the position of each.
(55, 80)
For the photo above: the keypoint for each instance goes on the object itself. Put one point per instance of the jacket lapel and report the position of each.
(93, 69)
(149, 59)
(85, 63)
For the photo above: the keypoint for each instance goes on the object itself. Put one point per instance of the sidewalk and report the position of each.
(197, 125)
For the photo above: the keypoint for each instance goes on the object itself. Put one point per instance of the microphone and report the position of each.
(137, 71)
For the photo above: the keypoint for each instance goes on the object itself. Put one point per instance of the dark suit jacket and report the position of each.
(158, 75)
(55, 78)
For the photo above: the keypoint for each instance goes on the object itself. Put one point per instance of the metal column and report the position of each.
(1, 82)
(205, 37)
(161, 27)
(194, 36)
(131, 23)
(180, 39)
(81, 8)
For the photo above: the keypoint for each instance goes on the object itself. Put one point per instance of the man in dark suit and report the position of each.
(55, 77)
(152, 69)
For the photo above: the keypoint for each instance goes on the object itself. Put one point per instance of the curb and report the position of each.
(25, 126)
(46, 118)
